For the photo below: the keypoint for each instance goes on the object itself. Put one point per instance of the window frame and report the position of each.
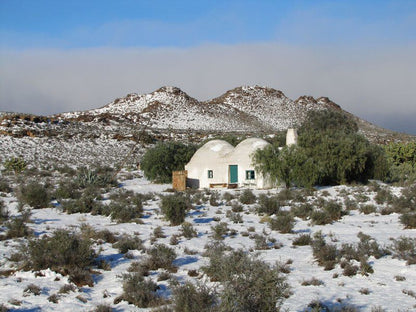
(250, 175)
(210, 174)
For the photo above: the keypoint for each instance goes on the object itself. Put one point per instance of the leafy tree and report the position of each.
(159, 161)
(330, 151)
(402, 161)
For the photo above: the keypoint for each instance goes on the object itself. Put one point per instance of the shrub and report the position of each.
(67, 189)
(174, 208)
(139, 291)
(383, 196)
(127, 242)
(303, 211)
(247, 197)
(64, 252)
(312, 282)
(405, 248)
(161, 256)
(33, 289)
(228, 197)
(159, 162)
(34, 194)
(15, 164)
(99, 177)
(320, 217)
(87, 203)
(236, 207)
(325, 254)
(255, 287)
(367, 209)
(302, 240)
(189, 297)
(409, 220)
(4, 213)
(188, 230)
(268, 205)
(4, 186)
(213, 200)
(260, 242)
(103, 308)
(220, 230)
(334, 209)
(17, 228)
(283, 223)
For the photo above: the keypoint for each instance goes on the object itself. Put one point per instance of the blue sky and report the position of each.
(66, 55)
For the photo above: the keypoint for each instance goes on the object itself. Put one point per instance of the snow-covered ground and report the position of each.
(383, 288)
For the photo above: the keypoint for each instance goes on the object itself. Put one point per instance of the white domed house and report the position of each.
(218, 164)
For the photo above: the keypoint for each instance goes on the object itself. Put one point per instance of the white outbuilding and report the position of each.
(218, 163)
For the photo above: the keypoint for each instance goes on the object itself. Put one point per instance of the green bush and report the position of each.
(63, 252)
(87, 203)
(159, 161)
(268, 205)
(139, 291)
(127, 242)
(320, 217)
(255, 286)
(15, 164)
(405, 248)
(325, 254)
(174, 207)
(98, 177)
(4, 213)
(188, 230)
(4, 186)
(283, 222)
(189, 297)
(302, 211)
(409, 220)
(161, 257)
(34, 194)
(247, 197)
(302, 240)
(17, 228)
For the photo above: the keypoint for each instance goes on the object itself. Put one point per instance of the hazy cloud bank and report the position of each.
(375, 83)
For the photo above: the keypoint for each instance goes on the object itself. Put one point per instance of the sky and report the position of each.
(58, 56)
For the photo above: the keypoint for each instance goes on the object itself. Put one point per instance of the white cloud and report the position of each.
(374, 83)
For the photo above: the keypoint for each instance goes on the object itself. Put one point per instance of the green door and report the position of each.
(233, 174)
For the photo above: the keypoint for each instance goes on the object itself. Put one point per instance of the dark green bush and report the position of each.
(4, 186)
(159, 161)
(34, 194)
(87, 203)
(174, 207)
(67, 189)
(325, 254)
(247, 197)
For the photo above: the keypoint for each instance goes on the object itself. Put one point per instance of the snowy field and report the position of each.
(392, 286)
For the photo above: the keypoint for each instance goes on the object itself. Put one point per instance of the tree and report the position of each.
(159, 161)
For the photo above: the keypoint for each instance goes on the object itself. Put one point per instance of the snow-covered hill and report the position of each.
(241, 109)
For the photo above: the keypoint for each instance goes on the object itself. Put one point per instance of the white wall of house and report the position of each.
(217, 156)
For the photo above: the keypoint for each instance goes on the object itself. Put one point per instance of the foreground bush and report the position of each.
(256, 287)
(64, 252)
(139, 291)
(174, 208)
(189, 297)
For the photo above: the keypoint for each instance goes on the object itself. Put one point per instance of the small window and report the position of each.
(250, 175)
(210, 174)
